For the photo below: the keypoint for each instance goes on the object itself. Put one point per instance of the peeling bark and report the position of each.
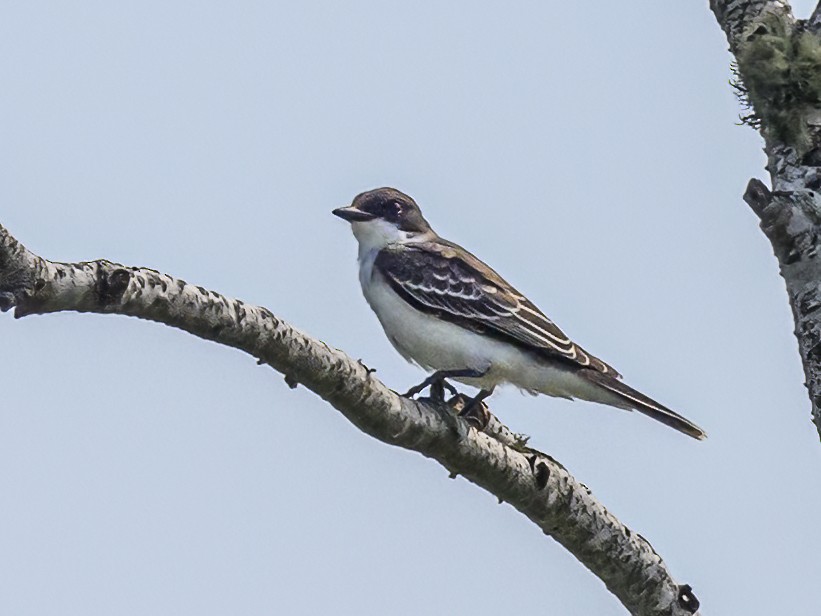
(496, 460)
(779, 64)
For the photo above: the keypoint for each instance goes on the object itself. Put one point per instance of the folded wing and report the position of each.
(444, 279)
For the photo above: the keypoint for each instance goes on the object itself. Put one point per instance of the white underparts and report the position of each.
(436, 344)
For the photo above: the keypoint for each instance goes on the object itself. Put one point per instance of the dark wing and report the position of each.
(444, 279)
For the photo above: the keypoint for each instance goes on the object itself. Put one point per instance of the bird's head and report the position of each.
(384, 216)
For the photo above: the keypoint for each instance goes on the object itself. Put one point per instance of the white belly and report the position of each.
(435, 344)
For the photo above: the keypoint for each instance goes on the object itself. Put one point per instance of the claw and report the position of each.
(415, 390)
(437, 390)
(431, 381)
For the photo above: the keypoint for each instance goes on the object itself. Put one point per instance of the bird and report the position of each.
(445, 310)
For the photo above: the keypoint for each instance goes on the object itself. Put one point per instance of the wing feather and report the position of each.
(446, 280)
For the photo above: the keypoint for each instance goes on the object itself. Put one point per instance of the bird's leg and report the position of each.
(437, 382)
(437, 390)
(475, 411)
(433, 378)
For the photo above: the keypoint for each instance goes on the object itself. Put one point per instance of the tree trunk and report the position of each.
(778, 61)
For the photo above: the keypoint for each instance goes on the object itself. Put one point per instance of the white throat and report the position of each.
(374, 235)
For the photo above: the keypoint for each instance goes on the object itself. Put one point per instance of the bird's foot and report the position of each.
(437, 390)
(437, 384)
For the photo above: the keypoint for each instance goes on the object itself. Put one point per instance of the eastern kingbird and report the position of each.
(445, 310)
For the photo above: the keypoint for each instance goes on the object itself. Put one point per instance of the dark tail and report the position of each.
(638, 401)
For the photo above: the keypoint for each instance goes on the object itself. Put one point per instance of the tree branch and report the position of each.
(779, 63)
(736, 16)
(496, 460)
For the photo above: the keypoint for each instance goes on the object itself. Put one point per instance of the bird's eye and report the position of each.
(397, 207)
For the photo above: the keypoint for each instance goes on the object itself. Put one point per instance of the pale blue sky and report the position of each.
(588, 151)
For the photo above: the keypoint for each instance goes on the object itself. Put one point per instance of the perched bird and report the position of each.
(447, 311)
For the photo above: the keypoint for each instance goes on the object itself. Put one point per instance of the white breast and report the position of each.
(432, 343)
(435, 344)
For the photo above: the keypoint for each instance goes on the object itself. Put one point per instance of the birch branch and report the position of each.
(496, 460)
(778, 61)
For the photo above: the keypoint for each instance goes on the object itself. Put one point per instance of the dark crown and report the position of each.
(392, 206)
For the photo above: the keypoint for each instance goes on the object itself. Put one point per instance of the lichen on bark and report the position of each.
(778, 63)
(779, 70)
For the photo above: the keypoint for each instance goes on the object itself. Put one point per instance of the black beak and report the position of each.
(351, 214)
